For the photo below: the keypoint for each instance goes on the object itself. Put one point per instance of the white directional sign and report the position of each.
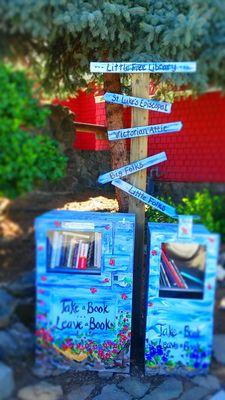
(146, 104)
(144, 131)
(145, 197)
(132, 168)
(140, 67)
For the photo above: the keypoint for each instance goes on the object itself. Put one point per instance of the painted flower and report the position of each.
(159, 350)
(45, 335)
(106, 280)
(43, 278)
(150, 304)
(107, 227)
(154, 253)
(57, 224)
(68, 344)
(124, 296)
(40, 248)
(93, 290)
(41, 317)
(41, 291)
(112, 262)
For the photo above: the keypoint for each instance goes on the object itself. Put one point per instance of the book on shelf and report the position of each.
(172, 277)
(74, 250)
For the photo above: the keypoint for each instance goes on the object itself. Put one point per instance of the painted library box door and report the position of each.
(84, 328)
(181, 289)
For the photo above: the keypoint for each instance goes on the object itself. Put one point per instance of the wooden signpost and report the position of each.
(139, 145)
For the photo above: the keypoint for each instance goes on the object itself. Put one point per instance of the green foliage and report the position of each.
(210, 208)
(62, 37)
(26, 157)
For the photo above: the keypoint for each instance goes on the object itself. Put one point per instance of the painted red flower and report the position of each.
(41, 291)
(112, 261)
(106, 280)
(124, 296)
(184, 230)
(68, 344)
(57, 224)
(107, 227)
(150, 304)
(211, 239)
(93, 290)
(154, 253)
(44, 278)
(209, 286)
(40, 248)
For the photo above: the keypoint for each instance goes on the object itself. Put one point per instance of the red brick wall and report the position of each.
(197, 153)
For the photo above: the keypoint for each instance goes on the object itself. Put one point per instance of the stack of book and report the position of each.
(175, 279)
(74, 250)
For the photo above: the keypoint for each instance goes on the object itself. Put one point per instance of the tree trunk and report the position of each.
(118, 148)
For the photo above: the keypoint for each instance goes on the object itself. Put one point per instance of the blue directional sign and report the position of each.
(144, 131)
(133, 167)
(145, 197)
(142, 67)
(146, 104)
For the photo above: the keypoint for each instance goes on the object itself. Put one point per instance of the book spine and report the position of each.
(49, 252)
(54, 248)
(165, 277)
(75, 254)
(82, 262)
(70, 253)
(58, 250)
(97, 251)
(172, 271)
(90, 255)
(63, 251)
(78, 253)
(178, 272)
(170, 276)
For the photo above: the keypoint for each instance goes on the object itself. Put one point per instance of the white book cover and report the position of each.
(98, 250)
(54, 248)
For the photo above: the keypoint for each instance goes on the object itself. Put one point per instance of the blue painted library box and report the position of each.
(180, 301)
(84, 290)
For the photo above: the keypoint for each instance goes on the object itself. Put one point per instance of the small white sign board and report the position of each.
(144, 131)
(132, 168)
(141, 67)
(146, 104)
(145, 197)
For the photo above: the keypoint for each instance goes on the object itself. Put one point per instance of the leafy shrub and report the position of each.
(27, 156)
(210, 208)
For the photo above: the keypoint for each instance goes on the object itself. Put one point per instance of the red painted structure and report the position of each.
(196, 154)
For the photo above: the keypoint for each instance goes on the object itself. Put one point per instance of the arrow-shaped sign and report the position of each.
(140, 67)
(145, 197)
(144, 131)
(133, 167)
(146, 104)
